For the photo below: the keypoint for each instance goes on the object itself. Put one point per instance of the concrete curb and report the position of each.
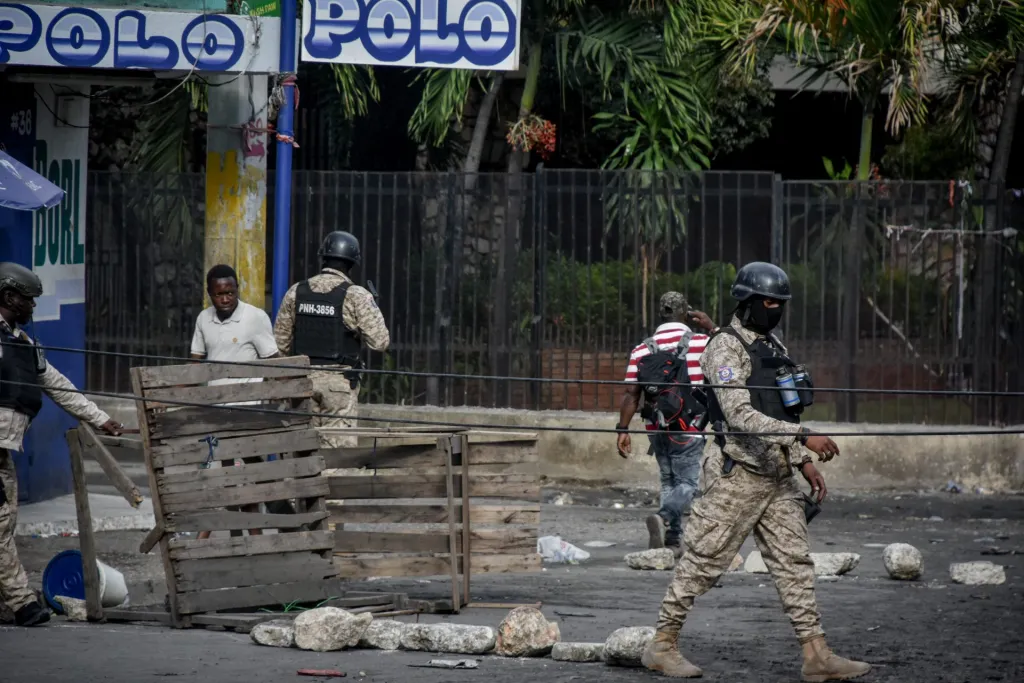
(140, 521)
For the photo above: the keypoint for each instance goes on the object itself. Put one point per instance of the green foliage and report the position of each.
(386, 388)
(927, 152)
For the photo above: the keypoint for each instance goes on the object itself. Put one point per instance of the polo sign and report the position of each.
(80, 37)
(454, 34)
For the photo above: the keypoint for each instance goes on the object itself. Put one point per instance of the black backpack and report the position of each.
(671, 401)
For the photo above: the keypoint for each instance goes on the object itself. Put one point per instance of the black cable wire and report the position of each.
(270, 409)
(539, 380)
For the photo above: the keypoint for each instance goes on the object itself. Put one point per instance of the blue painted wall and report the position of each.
(43, 467)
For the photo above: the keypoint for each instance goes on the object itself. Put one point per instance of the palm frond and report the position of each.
(443, 100)
(357, 87)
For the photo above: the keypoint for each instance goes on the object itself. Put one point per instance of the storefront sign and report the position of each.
(79, 37)
(454, 34)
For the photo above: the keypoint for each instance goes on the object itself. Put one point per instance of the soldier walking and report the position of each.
(24, 376)
(329, 319)
(747, 482)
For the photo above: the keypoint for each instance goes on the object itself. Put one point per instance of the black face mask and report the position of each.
(760, 319)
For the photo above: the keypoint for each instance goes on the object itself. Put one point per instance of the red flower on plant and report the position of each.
(532, 133)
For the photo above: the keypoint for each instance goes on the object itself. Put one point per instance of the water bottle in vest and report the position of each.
(803, 386)
(789, 395)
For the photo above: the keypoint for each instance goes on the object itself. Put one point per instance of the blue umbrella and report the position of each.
(24, 189)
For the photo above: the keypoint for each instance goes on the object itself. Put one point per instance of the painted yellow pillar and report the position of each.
(236, 183)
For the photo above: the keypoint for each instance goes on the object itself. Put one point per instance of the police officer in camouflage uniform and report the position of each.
(747, 484)
(329, 319)
(24, 376)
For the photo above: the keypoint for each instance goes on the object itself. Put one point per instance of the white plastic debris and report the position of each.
(554, 549)
(599, 544)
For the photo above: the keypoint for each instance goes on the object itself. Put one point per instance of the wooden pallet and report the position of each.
(243, 572)
(441, 498)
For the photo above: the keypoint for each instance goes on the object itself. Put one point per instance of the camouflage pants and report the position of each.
(731, 507)
(14, 590)
(332, 393)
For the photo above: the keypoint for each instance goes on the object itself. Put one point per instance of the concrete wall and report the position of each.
(866, 463)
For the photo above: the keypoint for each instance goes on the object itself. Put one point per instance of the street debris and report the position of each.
(902, 561)
(834, 564)
(977, 573)
(625, 646)
(618, 506)
(554, 549)
(578, 615)
(448, 664)
(953, 487)
(562, 499)
(998, 551)
(526, 632)
(875, 545)
(934, 518)
(326, 629)
(277, 633)
(985, 539)
(657, 558)
(737, 563)
(383, 634)
(578, 652)
(73, 607)
(599, 544)
(321, 673)
(755, 563)
(454, 638)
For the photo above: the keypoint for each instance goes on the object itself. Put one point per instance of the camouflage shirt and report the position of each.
(726, 362)
(13, 424)
(360, 313)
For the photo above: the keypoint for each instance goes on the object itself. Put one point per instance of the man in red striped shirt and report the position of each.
(678, 460)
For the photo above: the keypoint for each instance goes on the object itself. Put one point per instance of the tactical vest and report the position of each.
(765, 361)
(20, 387)
(320, 330)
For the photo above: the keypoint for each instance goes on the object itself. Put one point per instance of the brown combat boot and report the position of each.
(662, 655)
(820, 664)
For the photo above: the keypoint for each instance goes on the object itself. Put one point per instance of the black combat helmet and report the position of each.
(341, 245)
(19, 278)
(761, 279)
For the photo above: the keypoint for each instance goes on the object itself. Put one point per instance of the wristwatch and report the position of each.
(802, 435)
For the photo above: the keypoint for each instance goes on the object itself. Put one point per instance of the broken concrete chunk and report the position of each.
(385, 634)
(737, 563)
(326, 629)
(625, 646)
(74, 608)
(755, 563)
(902, 561)
(456, 638)
(277, 633)
(578, 652)
(525, 632)
(977, 573)
(658, 558)
(834, 564)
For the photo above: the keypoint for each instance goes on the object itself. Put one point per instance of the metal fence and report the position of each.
(556, 275)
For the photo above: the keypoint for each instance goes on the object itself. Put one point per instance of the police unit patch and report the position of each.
(725, 373)
(316, 309)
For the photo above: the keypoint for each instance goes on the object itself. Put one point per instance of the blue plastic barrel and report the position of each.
(64, 575)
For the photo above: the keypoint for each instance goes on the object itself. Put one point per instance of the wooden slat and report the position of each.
(228, 520)
(257, 596)
(518, 486)
(482, 541)
(398, 566)
(481, 515)
(464, 513)
(199, 549)
(210, 420)
(86, 539)
(158, 511)
(121, 615)
(236, 572)
(193, 451)
(264, 472)
(421, 455)
(153, 537)
(244, 495)
(200, 373)
(273, 390)
(98, 451)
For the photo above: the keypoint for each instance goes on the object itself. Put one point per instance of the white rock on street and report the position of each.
(385, 634)
(737, 563)
(326, 629)
(277, 633)
(455, 638)
(578, 652)
(625, 646)
(755, 563)
(977, 573)
(902, 561)
(658, 558)
(834, 564)
(525, 632)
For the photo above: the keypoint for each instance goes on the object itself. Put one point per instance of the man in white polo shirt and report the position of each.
(232, 330)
